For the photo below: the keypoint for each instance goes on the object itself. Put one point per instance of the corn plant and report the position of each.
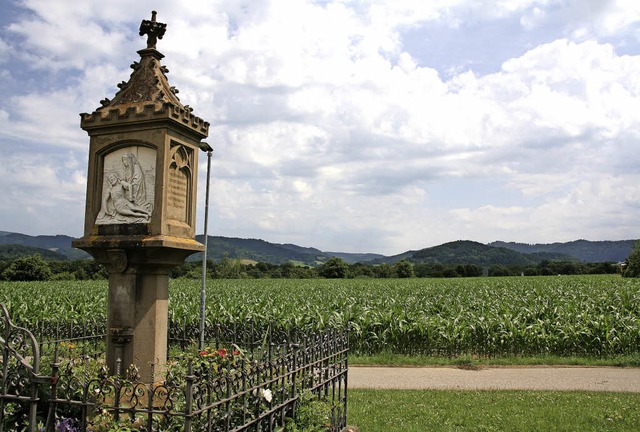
(595, 316)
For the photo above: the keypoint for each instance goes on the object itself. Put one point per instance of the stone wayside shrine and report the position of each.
(141, 202)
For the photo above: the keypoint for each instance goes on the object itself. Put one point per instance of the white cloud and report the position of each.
(329, 133)
(44, 118)
(69, 41)
(43, 193)
(4, 51)
(618, 16)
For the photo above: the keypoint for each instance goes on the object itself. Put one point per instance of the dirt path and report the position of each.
(498, 378)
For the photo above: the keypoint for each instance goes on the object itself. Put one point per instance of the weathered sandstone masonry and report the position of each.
(141, 202)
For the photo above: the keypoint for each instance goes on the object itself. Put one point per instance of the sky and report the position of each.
(348, 126)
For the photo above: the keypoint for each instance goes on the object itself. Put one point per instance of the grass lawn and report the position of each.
(530, 411)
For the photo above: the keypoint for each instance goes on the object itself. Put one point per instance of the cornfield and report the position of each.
(594, 316)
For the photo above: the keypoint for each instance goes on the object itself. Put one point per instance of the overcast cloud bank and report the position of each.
(346, 125)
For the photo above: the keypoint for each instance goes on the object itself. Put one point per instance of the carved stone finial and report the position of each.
(153, 29)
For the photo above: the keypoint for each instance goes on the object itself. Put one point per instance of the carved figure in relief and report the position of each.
(124, 195)
(134, 175)
(118, 205)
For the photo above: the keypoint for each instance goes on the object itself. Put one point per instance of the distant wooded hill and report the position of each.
(12, 251)
(520, 254)
(274, 253)
(58, 247)
(582, 250)
(60, 244)
(470, 252)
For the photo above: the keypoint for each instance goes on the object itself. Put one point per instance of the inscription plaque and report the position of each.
(179, 184)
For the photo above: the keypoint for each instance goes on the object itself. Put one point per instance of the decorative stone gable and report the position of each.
(147, 94)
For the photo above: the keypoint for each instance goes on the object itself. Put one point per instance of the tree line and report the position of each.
(32, 268)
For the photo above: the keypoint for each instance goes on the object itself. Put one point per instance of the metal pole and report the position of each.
(203, 290)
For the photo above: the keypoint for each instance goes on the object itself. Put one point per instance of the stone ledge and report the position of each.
(120, 242)
(143, 111)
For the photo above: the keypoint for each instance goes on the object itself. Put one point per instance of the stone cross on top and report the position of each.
(154, 30)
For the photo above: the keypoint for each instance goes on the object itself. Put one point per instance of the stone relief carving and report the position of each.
(128, 186)
(117, 260)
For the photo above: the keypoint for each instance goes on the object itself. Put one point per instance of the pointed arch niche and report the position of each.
(180, 184)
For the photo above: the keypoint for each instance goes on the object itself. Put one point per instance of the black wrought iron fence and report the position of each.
(54, 383)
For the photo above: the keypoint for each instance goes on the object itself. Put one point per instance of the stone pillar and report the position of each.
(141, 203)
(138, 300)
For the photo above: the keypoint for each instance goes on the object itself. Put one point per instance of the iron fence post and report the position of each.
(188, 411)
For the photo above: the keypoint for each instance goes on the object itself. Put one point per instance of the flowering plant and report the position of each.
(265, 394)
(222, 359)
(69, 345)
(222, 352)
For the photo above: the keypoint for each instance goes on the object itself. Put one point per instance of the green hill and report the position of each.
(457, 252)
(582, 250)
(12, 251)
(470, 252)
(274, 253)
(57, 243)
(256, 250)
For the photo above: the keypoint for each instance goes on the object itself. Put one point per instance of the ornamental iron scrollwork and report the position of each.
(253, 383)
(20, 354)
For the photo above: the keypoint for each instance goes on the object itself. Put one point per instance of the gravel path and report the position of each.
(497, 378)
